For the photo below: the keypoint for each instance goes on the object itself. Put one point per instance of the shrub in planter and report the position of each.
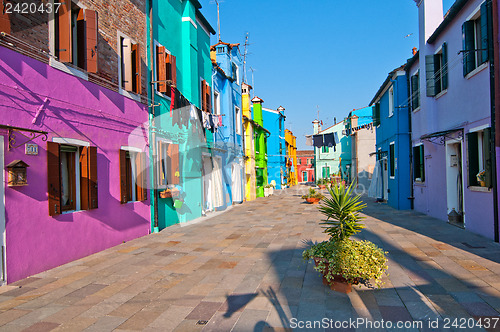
(312, 196)
(341, 259)
(354, 261)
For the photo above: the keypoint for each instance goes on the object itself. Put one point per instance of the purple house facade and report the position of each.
(73, 139)
(451, 121)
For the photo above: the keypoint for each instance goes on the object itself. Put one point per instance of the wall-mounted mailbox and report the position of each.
(17, 173)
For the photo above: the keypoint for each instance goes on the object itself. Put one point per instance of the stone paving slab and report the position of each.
(242, 270)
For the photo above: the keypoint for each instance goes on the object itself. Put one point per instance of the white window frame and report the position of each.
(155, 68)
(216, 110)
(78, 143)
(237, 113)
(122, 91)
(391, 161)
(391, 101)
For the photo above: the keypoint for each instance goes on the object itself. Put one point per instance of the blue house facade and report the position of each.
(274, 121)
(391, 120)
(225, 185)
(360, 163)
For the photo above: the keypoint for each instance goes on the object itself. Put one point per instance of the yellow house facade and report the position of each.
(291, 154)
(248, 144)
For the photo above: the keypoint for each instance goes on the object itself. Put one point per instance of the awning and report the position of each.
(439, 137)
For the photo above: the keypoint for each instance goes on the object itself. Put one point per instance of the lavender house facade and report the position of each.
(451, 124)
(77, 115)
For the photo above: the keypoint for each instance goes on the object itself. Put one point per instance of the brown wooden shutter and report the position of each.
(161, 68)
(127, 64)
(141, 184)
(4, 19)
(209, 98)
(64, 49)
(54, 178)
(136, 65)
(93, 192)
(84, 178)
(91, 29)
(174, 173)
(173, 69)
(203, 93)
(123, 177)
(80, 39)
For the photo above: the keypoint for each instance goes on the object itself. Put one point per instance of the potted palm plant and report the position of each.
(312, 197)
(344, 261)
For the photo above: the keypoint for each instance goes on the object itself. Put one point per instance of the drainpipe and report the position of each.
(410, 100)
(495, 114)
(153, 123)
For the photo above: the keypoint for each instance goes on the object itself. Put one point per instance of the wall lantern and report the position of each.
(17, 173)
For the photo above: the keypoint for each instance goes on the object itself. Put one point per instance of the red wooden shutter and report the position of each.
(209, 98)
(173, 69)
(161, 68)
(91, 29)
(93, 193)
(168, 72)
(136, 58)
(54, 178)
(84, 178)
(203, 93)
(123, 177)
(4, 19)
(64, 32)
(173, 153)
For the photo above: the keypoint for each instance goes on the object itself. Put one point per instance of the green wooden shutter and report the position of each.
(469, 59)
(487, 156)
(376, 114)
(472, 158)
(486, 32)
(429, 75)
(422, 163)
(414, 92)
(444, 66)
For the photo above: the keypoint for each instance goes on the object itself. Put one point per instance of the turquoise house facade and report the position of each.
(179, 86)
(329, 161)
(274, 121)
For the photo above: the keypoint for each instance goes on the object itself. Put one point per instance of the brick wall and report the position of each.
(126, 16)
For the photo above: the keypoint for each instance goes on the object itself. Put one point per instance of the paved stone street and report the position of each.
(243, 270)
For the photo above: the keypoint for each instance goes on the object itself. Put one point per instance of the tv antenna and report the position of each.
(245, 58)
(218, 19)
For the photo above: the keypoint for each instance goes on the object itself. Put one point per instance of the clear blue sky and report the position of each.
(310, 54)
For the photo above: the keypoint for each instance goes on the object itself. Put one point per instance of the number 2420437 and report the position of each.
(31, 8)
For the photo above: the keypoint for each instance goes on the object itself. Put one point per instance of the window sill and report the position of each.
(69, 69)
(161, 94)
(476, 71)
(128, 94)
(416, 109)
(419, 184)
(480, 189)
(439, 95)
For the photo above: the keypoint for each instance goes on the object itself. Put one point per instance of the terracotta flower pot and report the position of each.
(322, 186)
(313, 200)
(339, 283)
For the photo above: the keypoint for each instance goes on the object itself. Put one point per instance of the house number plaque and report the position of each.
(31, 149)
